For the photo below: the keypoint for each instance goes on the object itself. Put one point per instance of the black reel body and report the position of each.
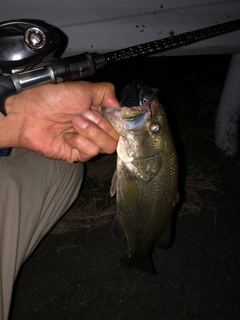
(24, 44)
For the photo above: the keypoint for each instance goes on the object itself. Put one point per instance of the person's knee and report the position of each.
(70, 179)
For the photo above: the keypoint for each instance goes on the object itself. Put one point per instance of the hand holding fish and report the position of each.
(60, 121)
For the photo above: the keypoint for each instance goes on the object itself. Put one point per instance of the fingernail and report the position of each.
(79, 122)
(92, 116)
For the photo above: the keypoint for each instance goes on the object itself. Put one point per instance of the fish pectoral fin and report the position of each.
(117, 231)
(113, 184)
(165, 240)
(145, 169)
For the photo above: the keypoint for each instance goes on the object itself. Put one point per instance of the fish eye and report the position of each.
(155, 127)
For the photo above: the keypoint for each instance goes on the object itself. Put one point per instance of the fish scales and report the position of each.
(145, 181)
(153, 203)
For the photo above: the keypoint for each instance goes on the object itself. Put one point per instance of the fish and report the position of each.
(146, 178)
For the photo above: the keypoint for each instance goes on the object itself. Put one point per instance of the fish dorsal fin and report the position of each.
(117, 230)
(113, 184)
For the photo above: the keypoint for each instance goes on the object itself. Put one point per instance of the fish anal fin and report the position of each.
(165, 240)
(117, 231)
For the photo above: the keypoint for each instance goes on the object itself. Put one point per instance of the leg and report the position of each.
(34, 193)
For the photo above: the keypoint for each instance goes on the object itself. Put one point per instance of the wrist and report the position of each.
(10, 126)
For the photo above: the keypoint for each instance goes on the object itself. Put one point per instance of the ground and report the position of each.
(74, 272)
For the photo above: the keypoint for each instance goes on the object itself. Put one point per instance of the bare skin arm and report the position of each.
(61, 121)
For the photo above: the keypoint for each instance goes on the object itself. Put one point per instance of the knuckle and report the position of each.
(111, 87)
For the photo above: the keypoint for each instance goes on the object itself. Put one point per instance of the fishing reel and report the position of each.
(25, 43)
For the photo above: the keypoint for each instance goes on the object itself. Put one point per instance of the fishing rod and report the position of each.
(26, 43)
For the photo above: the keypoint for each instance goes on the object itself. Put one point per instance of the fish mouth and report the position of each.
(127, 118)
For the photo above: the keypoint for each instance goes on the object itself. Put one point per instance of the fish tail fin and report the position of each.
(141, 262)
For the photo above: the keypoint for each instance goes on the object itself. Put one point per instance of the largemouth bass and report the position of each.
(145, 181)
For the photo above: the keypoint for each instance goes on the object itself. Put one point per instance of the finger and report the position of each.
(102, 122)
(102, 93)
(105, 94)
(86, 149)
(94, 134)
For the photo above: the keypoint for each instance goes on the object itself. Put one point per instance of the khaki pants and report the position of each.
(34, 193)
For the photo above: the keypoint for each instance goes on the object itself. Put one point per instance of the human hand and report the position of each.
(62, 121)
